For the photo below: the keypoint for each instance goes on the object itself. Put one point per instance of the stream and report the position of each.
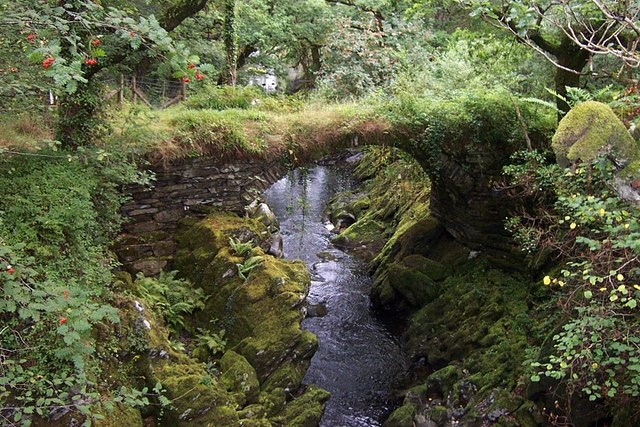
(359, 359)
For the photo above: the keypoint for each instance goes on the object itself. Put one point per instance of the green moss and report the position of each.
(306, 410)
(367, 232)
(591, 129)
(261, 313)
(413, 286)
(120, 415)
(195, 396)
(438, 414)
(476, 330)
(238, 376)
(401, 417)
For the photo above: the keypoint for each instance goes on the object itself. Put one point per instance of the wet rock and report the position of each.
(263, 213)
(317, 310)
(276, 248)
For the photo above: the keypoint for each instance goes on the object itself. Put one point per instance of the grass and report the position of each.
(265, 130)
(272, 127)
(25, 131)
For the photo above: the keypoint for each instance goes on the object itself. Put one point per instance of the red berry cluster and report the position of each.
(10, 270)
(90, 61)
(48, 61)
(95, 42)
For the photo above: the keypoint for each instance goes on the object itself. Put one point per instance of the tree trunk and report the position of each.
(78, 123)
(574, 58)
(229, 76)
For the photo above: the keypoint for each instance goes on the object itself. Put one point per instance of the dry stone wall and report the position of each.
(192, 187)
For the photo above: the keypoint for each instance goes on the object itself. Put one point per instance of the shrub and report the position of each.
(596, 236)
(224, 97)
(60, 212)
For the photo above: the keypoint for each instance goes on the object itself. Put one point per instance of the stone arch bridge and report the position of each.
(463, 174)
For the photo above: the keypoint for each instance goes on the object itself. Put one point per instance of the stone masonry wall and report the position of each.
(192, 187)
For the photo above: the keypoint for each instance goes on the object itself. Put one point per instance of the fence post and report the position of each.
(121, 90)
(183, 91)
(134, 92)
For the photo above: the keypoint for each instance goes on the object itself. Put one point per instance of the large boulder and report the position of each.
(592, 129)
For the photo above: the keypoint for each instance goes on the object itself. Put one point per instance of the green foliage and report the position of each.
(224, 97)
(59, 214)
(211, 342)
(240, 248)
(249, 265)
(173, 298)
(596, 234)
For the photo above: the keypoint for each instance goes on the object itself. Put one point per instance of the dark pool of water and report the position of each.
(359, 360)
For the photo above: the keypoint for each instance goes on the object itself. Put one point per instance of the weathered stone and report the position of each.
(276, 249)
(149, 267)
(133, 252)
(162, 249)
(142, 211)
(143, 227)
(169, 216)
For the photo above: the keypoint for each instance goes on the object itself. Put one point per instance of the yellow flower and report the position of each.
(603, 289)
(573, 225)
(561, 283)
(594, 365)
(620, 277)
(637, 287)
(567, 218)
(546, 280)
(601, 211)
(626, 226)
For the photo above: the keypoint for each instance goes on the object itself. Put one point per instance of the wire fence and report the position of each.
(156, 93)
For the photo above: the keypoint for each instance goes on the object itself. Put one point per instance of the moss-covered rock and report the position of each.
(120, 415)
(239, 377)
(592, 129)
(412, 285)
(401, 417)
(196, 397)
(257, 299)
(306, 410)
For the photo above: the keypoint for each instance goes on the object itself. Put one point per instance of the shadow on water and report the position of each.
(359, 360)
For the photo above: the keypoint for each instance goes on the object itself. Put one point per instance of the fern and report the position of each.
(173, 298)
(250, 263)
(240, 248)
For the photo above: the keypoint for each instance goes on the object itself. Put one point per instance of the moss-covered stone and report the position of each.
(438, 414)
(196, 398)
(306, 410)
(120, 415)
(401, 417)
(260, 311)
(238, 376)
(591, 129)
(366, 236)
(413, 286)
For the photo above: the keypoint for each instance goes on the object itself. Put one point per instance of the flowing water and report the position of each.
(359, 360)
